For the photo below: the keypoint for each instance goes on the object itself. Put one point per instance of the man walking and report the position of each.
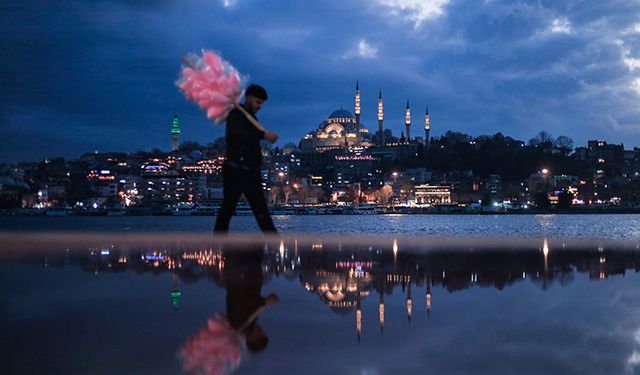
(241, 170)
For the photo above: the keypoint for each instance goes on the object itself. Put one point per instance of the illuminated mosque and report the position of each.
(342, 130)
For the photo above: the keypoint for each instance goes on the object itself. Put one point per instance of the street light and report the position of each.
(395, 182)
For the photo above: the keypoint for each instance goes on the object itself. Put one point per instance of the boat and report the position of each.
(277, 211)
(206, 209)
(59, 210)
(182, 209)
(243, 210)
(360, 210)
(312, 211)
(115, 210)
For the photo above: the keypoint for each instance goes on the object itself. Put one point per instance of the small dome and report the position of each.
(341, 113)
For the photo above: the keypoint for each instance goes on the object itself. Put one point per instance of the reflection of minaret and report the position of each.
(357, 108)
(409, 303)
(545, 252)
(175, 133)
(428, 297)
(175, 293)
(427, 128)
(395, 250)
(358, 318)
(407, 122)
(381, 310)
(380, 118)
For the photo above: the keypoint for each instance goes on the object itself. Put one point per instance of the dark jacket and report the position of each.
(243, 141)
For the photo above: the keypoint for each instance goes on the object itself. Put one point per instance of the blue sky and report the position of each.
(76, 76)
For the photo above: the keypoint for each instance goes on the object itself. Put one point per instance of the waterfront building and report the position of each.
(430, 194)
(164, 185)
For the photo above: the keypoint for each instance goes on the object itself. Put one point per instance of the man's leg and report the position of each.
(255, 196)
(231, 193)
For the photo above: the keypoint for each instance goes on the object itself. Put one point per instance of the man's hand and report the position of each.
(271, 299)
(270, 136)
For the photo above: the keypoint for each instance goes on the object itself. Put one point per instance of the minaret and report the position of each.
(427, 128)
(380, 118)
(407, 122)
(357, 108)
(175, 133)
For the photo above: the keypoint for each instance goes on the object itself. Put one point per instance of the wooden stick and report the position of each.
(250, 118)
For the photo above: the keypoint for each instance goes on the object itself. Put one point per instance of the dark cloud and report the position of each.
(106, 68)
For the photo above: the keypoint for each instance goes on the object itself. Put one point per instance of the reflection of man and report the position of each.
(241, 171)
(243, 279)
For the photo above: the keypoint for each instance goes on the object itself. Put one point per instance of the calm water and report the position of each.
(155, 303)
(413, 294)
(574, 226)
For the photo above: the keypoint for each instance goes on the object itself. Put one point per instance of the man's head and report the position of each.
(255, 338)
(255, 96)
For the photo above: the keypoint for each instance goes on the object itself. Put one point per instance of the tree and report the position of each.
(273, 194)
(542, 140)
(383, 194)
(565, 199)
(287, 190)
(564, 144)
(218, 146)
(188, 147)
(541, 200)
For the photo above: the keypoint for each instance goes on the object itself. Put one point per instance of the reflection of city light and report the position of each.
(395, 248)
(281, 250)
(359, 320)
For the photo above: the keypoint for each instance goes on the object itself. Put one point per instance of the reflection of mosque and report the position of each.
(342, 276)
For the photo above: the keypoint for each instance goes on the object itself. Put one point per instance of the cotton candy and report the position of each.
(212, 83)
(214, 350)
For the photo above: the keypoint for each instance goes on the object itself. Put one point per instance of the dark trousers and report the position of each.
(238, 181)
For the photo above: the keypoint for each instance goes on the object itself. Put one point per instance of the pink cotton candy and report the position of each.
(214, 350)
(215, 111)
(212, 83)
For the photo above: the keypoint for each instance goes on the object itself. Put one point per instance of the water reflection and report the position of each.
(342, 275)
(216, 348)
(355, 280)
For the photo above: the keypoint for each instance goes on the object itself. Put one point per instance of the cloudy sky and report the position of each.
(76, 76)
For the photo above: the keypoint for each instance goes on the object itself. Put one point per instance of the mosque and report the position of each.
(342, 130)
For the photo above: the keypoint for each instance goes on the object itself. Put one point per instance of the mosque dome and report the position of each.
(342, 113)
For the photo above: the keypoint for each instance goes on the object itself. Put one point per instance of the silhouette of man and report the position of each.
(243, 279)
(241, 170)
